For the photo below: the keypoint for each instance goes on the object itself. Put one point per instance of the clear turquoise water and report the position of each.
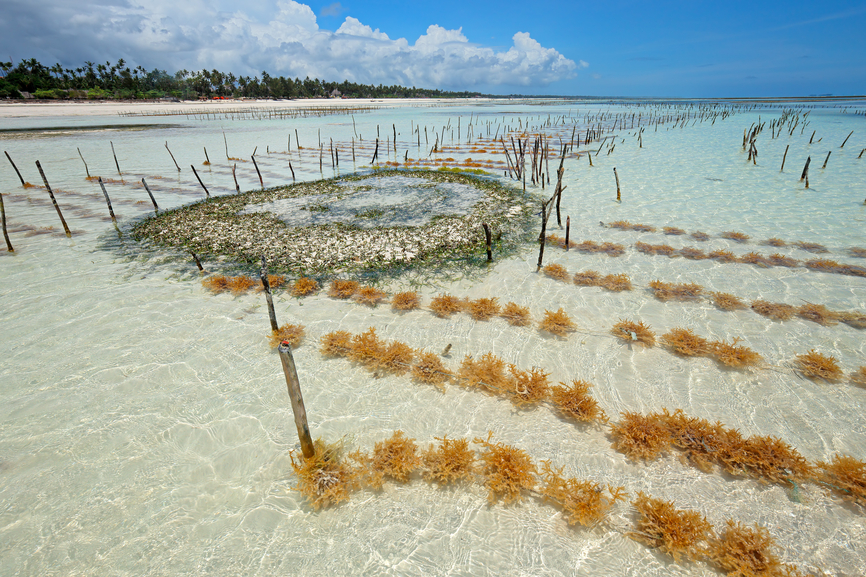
(144, 424)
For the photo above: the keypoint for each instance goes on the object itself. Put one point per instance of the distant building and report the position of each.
(335, 93)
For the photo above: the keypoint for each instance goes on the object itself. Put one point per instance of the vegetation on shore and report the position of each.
(93, 81)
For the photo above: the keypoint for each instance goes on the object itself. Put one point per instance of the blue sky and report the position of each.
(615, 48)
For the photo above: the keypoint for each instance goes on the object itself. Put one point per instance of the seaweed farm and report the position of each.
(676, 384)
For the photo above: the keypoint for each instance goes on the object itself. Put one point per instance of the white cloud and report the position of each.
(282, 37)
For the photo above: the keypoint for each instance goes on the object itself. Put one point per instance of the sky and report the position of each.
(629, 48)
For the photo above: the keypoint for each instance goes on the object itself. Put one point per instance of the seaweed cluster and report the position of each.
(818, 366)
(588, 246)
(507, 471)
(326, 478)
(556, 272)
(482, 309)
(291, 333)
(735, 236)
(673, 531)
(665, 291)
(574, 402)
(775, 311)
(582, 502)
(727, 301)
(304, 286)
(406, 301)
(515, 314)
(626, 225)
(634, 332)
(444, 305)
(237, 285)
(846, 476)
(368, 295)
(685, 342)
(343, 289)
(655, 249)
(557, 323)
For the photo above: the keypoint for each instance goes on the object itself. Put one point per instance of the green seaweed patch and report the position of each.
(215, 227)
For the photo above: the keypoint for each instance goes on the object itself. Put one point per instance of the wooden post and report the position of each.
(784, 156)
(846, 139)
(294, 388)
(261, 182)
(82, 160)
(487, 237)
(197, 262)
(206, 159)
(24, 184)
(805, 173)
(828, 158)
(115, 158)
(567, 231)
(267, 286)
(541, 238)
(54, 200)
(618, 197)
(150, 194)
(375, 152)
(3, 221)
(293, 171)
(199, 180)
(227, 145)
(172, 156)
(234, 176)
(107, 201)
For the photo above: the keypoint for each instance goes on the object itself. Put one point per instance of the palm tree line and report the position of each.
(120, 81)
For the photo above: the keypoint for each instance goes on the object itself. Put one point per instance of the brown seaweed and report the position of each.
(640, 437)
(854, 319)
(634, 332)
(507, 471)
(556, 272)
(343, 289)
(847, 476)
(528, 387)
(487, 372)
(745, 552)
(816, 365)
(643, 228)
(756, 259)
(700, 236)
(857, 252)
(672, 230)
(700, 439)
(858, 377)
(685, 342)
(587, 278)
(677, 532)
(777, 242)
(482, 309)
(515, 314)
(735, 236)
(692, 253)
(216, 283)
(293, 334)
(430, 370)
(405, 301)
(274, 281)
(620, 224)
(304, 286)
(445, 305)
(557, 323)
(733, 355)
(773, 459)
(239, 285)
(817, 314)
(665, 291)
(775, 311)
(616, 282)
(611, 249)
(811, 247)
(723, 256)
(368, 295)
(655, 249)
(777, 259)
(727, 302)
(575, 402)
(582, 502)
(325, 478)
(336, 344)
(396, 457)
(451, 461)
(366, 349)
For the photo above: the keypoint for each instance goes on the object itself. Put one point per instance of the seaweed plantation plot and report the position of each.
(380, 221)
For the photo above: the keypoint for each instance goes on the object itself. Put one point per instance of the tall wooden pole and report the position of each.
(199, 180)
(54, 200)
(115, 158)
(261, 182)
(294, 388)
(618, 197)
(85, 163)
(172, 156)
(107, 201)
(3, 220)
(487, 238)
(155, 208)
(24, 184)
(267, 286)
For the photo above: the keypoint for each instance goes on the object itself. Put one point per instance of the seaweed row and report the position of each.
(723, 256)
(509, 474)
(739, 237)
(665, 291)
(637, 436)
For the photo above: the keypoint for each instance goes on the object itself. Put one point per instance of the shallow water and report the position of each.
(144, 424)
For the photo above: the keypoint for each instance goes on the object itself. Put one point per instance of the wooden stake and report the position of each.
(115, 158)
(3, 221)
(227, 145)
(589, 156)
(375, 152)
(541, 237)
(155, 208)
(846, 139)
(272, 315)
(567, 231)
(805, 173)
(618, 198)
(82, 160)
(206, 159)
(235, 176)
(828, 158)
(199, 180)
(172, 156)
(197, 262)
(487, 237)
(783, 158)
(261, 182)
(24, 184)
(298, 410)
(54, 200)
(107, 201)
(293, 171)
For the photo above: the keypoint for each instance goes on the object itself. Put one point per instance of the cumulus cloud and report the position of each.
(282, 37)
